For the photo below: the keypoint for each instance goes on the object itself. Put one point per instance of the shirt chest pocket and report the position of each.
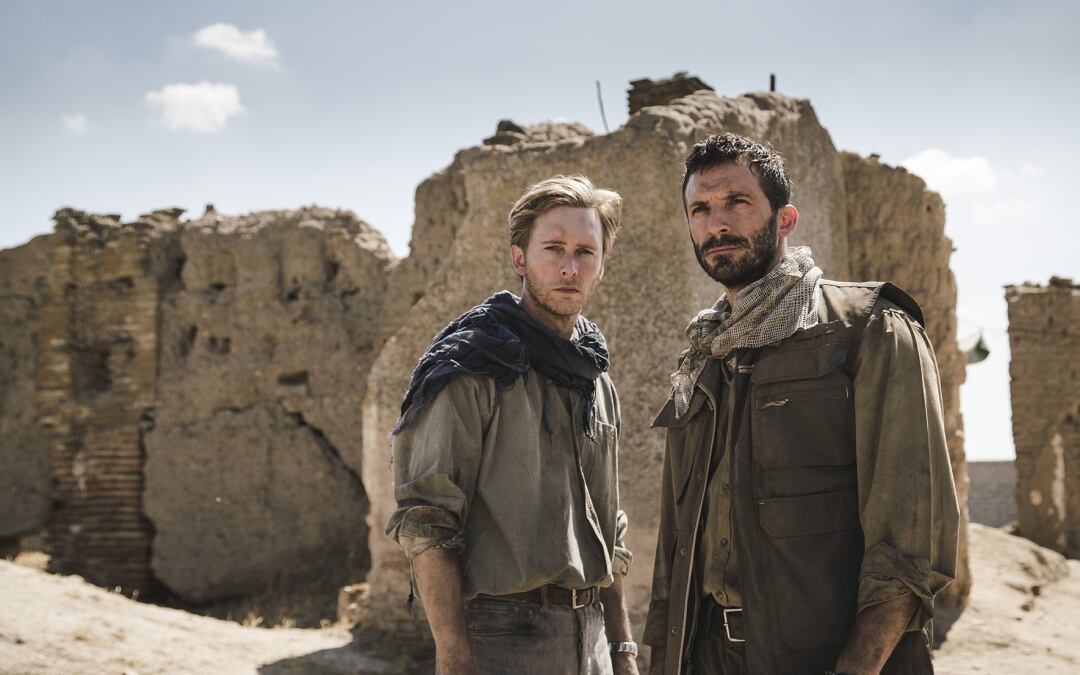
(802, 410)
(600, 461)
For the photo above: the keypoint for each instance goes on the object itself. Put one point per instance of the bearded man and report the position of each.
(808, 512)
(505, 460)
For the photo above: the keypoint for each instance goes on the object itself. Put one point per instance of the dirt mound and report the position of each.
(1023, 614)
(55, 625)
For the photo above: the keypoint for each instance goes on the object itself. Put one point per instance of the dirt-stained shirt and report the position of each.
(526, 503)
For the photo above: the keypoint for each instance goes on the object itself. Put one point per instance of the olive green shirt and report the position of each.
(477, 471)
(717, 562)
(900, 454)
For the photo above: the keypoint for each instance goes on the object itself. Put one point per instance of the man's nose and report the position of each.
(717, 223)
(568, 266)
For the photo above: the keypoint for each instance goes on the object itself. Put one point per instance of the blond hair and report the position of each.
(573, 191)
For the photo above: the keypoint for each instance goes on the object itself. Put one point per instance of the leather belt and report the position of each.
(557, 595)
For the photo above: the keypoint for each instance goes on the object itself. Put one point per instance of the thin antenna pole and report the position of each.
(600, 99)
(772, 81)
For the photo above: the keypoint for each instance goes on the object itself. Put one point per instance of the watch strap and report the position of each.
(630, 648)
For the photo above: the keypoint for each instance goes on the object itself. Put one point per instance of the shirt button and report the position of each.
(700, 476)
(682, 551)
(723, 541)
(727, 488)
(674, 630)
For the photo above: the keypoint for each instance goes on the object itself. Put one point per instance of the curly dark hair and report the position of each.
(728, 148)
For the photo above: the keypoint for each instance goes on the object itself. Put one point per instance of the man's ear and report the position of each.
(517, 258)
(787, 219)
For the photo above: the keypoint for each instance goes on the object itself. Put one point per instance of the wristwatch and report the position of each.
(623, 648)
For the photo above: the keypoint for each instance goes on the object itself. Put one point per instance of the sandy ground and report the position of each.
(58, 625)
(1024, 616)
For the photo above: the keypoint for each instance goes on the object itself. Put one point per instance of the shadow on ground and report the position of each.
(370, 653)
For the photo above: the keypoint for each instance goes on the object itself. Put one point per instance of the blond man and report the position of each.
(505, 460)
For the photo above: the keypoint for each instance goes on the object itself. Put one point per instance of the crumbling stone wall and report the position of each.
(190, 392)
(992, 492)
(646, 92)
(1044, 337)
(97, 364)
(268, 327)
(896, 232)
(25, 479)
(652, 285)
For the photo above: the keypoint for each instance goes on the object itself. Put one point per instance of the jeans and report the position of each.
(521, 637)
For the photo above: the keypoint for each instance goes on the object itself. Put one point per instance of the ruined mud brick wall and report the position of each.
(896, 232)
(652, 287)
(190, 393)
(25, 480)
(1044, 337)
(992, 492)
(646, 92)
(267, 331)
(439, 208)
(97, 363)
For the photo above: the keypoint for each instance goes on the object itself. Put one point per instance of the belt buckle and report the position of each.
(727, 628)
(574, 604)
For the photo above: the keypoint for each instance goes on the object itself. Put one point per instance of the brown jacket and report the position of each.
(842, 490)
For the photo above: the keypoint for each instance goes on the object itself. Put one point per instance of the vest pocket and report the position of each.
(814, 547)
(809, 426)
(802, 412)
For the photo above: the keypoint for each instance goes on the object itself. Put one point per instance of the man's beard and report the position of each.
(548, 301)
(733, 269)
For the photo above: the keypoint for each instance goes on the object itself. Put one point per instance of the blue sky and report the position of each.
(124, 107)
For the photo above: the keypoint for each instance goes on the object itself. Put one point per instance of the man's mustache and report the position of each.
(722, 240)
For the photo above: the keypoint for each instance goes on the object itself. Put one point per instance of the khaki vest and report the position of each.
(794, 500)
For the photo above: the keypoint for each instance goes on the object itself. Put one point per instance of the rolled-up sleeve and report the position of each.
(436, 463)
(907, 498)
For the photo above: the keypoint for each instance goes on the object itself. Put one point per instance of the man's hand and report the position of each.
(438, 579)
(656, 660)
(617, 626)
(877, 630)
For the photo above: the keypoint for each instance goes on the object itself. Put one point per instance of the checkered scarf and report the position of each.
(766, 311)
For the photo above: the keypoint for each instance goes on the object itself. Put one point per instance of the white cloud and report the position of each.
(252, 47)
(203, 107)
(952, 175)
(75, 125)
(1030, 169)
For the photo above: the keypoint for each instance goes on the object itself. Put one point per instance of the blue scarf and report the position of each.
(498, 339)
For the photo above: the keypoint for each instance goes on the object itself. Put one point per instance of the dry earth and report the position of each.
(58, 625)
(1024, 613)
(1024, 616)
